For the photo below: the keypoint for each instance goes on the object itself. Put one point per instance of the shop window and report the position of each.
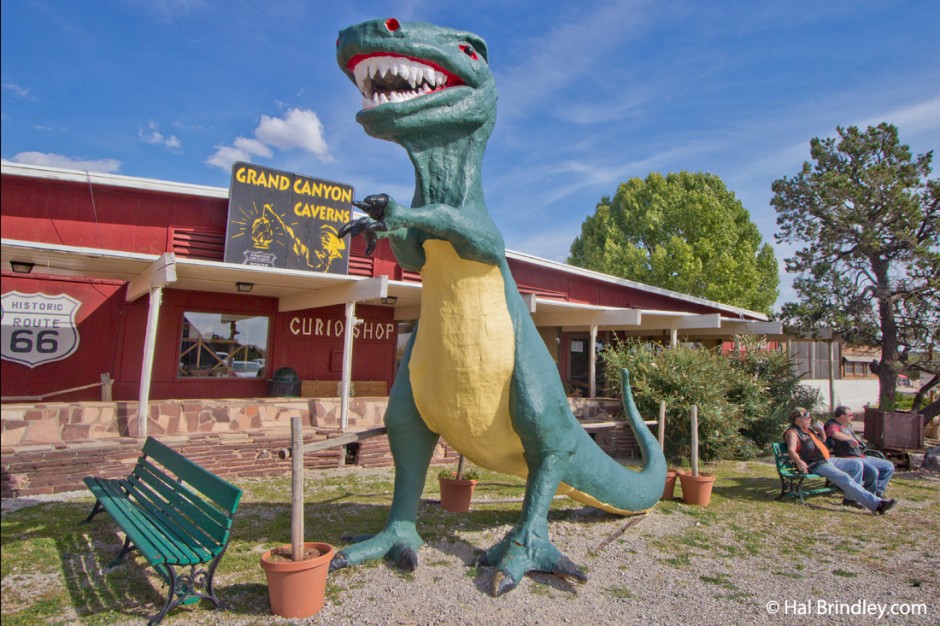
(221, 345)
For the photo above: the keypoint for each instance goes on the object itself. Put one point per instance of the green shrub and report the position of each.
(469, 473)
(743, 398)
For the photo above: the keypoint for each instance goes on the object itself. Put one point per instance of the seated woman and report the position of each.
(810, 455)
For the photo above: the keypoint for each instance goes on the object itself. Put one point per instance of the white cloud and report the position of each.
(913, 118)
(19, 92)
(299, 129)
(48, 159)
(253, 146)
(152, 135)
(226, 155)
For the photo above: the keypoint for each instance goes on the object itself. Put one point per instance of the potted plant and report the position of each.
(457, 487)
(669, 490)
(696, 487)
(296, 572)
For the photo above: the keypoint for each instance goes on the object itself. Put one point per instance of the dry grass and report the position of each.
(54, 571)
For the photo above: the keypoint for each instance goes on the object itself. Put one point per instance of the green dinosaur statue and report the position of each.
(476, 371)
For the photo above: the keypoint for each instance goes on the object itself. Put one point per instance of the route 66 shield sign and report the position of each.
(38, 328)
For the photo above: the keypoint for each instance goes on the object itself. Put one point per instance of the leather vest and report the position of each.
(808, 450)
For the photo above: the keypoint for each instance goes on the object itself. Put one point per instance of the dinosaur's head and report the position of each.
(418, 79)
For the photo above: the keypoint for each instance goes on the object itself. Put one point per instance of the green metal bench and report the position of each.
(179, 515)
(792, 480)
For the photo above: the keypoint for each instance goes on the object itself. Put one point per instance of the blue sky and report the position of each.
(591, 93)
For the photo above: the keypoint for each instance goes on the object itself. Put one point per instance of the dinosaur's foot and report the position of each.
(399, 543)
(522, 552)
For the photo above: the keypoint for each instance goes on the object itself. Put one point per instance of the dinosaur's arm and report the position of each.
(472, 233)
(407, 248)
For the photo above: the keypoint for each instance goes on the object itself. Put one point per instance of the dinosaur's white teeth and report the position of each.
(422, 79)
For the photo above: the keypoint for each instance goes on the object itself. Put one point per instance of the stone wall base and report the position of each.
(59, 464)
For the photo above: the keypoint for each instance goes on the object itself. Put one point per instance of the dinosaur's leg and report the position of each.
(412, 445)
(527, 546)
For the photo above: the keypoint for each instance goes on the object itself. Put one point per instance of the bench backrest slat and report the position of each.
(207, 512)
(161, 500)
(782, 457)
(222, 492)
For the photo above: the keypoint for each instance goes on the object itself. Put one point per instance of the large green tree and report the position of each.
(685, 232)
(866, 215)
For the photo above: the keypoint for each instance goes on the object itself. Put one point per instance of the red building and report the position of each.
(130, 252)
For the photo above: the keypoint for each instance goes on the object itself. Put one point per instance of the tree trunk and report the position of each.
(888, 368)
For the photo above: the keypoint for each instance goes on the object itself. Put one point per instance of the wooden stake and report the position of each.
(662, 425)
(633, 522)
(297, 490)
(695, 440)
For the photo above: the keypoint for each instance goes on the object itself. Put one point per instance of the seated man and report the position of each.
(810, 455)
(843, 442)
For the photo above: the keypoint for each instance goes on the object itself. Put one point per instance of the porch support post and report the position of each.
(160, 273)
(146, 370)
(349, 330)
(592, 363)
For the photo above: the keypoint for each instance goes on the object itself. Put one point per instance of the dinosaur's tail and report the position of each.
(600, 481)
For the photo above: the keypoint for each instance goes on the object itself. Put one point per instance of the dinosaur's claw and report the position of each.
(338, 562)
(502, 583)
(407, 559)
(565, 568)
(374, 205)
(366, 227)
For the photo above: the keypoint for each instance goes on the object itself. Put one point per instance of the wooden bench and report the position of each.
(177, 515)
(792, 480)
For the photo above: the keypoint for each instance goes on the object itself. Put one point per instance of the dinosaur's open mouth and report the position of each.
(386, 78)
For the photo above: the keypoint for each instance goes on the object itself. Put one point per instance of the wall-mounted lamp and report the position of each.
(389, 300)
(244, 287)
(21, 267)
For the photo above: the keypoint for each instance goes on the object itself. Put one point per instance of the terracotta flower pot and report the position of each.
(696, 489)
(669, 491)
(456, 494)
(296, 588)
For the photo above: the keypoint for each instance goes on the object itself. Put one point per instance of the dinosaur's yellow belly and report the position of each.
(463, 358)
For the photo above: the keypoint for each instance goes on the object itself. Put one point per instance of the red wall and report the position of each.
(99, 319)
(97, 216)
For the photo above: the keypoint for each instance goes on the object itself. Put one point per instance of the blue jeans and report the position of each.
(876, 473)
(846, 474)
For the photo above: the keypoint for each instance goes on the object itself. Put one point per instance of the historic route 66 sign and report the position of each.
(38, 328)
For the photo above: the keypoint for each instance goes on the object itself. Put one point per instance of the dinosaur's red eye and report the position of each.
(469, 51)
(392, 24)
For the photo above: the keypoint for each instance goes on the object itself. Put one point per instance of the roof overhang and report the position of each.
(293, 289)
(299, 290)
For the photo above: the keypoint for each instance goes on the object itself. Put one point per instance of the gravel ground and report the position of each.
(629, 583)
(639, 577)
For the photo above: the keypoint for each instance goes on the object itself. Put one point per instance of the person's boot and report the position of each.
(885, 506)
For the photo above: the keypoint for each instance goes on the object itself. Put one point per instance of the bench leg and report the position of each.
(171, 599)
(799, 490)
(182, 588)
(783, 488)
(120, 557)
(97, 509)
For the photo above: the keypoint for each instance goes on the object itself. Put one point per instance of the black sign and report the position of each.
(284, 220)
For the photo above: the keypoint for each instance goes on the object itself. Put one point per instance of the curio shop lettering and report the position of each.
(326, 327)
